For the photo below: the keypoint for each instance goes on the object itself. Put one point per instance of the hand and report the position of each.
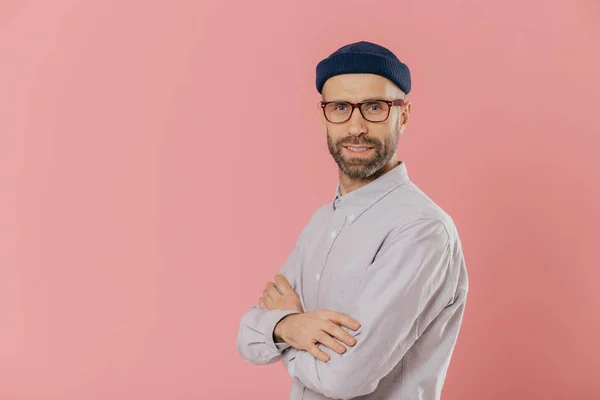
(280, 297)
(303, 331)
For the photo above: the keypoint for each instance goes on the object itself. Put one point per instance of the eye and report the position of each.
(374, 106)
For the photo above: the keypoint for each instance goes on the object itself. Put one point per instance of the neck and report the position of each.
(349, 184)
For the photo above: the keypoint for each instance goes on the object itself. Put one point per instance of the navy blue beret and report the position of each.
(364, 58)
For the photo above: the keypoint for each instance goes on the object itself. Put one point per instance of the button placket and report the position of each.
(333, 235)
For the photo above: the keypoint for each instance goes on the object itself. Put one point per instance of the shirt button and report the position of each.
(333, 234)
(351, 217)
(318, 277)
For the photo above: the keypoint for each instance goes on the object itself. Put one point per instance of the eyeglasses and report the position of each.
(338, 112)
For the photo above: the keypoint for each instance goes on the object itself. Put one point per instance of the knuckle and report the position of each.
(322, 337)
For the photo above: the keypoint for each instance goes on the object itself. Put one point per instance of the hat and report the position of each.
(364, 58)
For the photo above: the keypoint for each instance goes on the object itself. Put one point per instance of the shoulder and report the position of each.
(409, 208)
(316, 220)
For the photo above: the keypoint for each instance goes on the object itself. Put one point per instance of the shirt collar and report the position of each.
(361, 199)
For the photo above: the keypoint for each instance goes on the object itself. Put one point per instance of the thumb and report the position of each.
(283, 285)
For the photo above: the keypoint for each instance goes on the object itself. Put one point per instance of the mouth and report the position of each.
(358, 149)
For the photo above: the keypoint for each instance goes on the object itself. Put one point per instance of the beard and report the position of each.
(363, 167)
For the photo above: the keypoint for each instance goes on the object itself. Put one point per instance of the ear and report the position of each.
(405, 115)
(322, 118)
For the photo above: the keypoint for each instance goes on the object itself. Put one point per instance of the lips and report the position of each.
(358, 150)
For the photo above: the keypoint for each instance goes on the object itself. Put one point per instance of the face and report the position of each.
(359, 147)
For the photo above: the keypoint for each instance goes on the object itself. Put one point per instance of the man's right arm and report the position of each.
(255, 341)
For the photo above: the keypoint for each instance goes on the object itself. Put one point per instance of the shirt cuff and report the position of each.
(268, 327)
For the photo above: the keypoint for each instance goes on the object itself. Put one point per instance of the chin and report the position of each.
(357, 172)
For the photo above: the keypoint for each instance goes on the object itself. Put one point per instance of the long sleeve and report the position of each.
(410, 281)
(255, 335)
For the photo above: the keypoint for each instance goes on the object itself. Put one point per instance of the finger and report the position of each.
(337, 332)
(318, 354)
(330, 342)
(261, 304)
(283, 285)
(268, 301)
(272, 290)
(340, 319)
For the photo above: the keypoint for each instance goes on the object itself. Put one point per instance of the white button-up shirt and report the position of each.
(389, 257)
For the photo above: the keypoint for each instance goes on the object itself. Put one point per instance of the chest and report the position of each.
(336, 258)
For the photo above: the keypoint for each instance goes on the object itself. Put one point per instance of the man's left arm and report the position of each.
(410, 282)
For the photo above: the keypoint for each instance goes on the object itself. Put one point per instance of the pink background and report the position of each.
(158, 160)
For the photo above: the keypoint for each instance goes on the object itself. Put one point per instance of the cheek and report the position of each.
(335, 134)
(382, 133)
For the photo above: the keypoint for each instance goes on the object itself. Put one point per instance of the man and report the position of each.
(370, 302)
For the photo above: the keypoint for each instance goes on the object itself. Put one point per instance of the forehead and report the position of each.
(358, 87)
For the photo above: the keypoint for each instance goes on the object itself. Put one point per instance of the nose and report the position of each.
(357, 124)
